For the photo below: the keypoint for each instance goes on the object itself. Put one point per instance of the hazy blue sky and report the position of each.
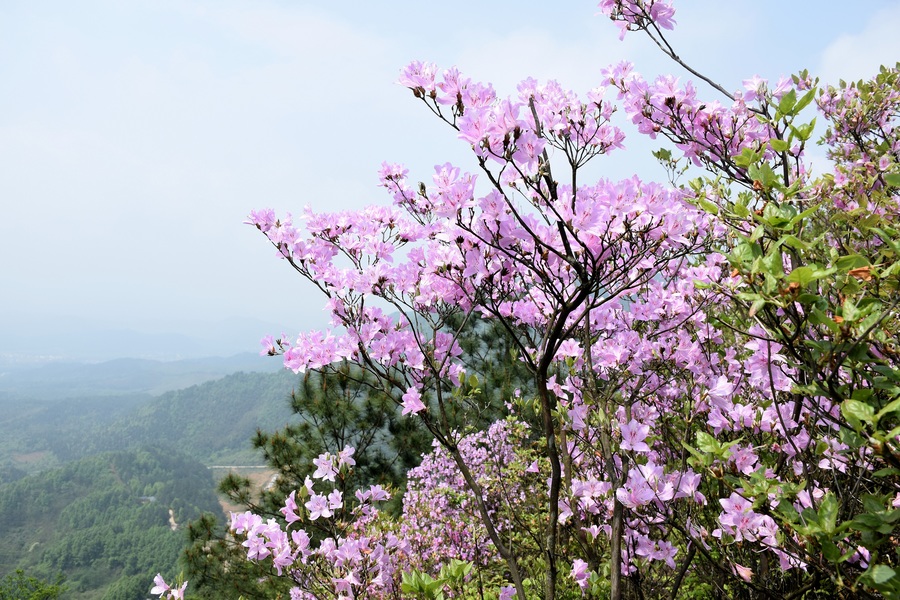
(135, 136)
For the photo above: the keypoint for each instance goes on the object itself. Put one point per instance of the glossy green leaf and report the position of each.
(801, 275)
(779, 145)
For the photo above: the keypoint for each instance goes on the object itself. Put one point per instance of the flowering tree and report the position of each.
(715, 366)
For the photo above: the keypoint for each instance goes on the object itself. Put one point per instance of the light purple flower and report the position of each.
(633, 436)
(412, 402)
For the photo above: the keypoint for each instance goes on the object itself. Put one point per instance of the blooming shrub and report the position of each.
(716, 367)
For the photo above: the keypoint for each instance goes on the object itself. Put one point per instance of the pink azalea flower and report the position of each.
(412, 402)
(325, 467)
(743, 572)
(345, 457)
(580, 573)
(335, 500)
(633, 436)
(290, 509)
(318, 507)
(160, 586)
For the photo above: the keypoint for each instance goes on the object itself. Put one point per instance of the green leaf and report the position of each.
(892, 179)
(892, 406)
(708, 206)
(801, 275)
(822, 273)
(831, 551)
(867, 521)
(787, 510)
(857, 412)
(663, 154)
(740, 210)
(697, 456)
(888, 372)
(757, 233)
(818, 317)
(804, 101)
(881, 574)
(793, 241)
(746, 158)
(849, 310)
(710, 445)
(410, 583)
(788, 101)
(763, 174)
(853, 439)
(799, 217)
(851, 261)
(707, 443)
(779, 145)
(804, 132)
(873, 503)
(886, 472)
(808, 298)
(774, 263)
(828, 511)
(756, 307)
(744, 252)
(888, 236)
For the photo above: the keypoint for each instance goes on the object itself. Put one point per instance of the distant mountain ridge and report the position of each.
(212, 421)
(60, 380)
(29, 339)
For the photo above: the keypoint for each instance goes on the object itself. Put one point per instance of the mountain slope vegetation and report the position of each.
(107, 523)
(212, 422)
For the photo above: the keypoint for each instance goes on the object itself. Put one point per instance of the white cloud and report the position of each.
(854, 56)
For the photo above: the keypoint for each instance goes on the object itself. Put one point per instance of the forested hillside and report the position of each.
(211, 422)
(123, 376)
(36, 435)
(108, 523)
(87, 484)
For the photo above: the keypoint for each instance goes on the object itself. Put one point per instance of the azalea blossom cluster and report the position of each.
(632, 15)
(514, 131)
(353, 560)
(664, 424)
(656, 349)
(854, 121)
(165, 591)
(368, 271)
(627, 250)
(440, 520)
(707, 132)
(863, 139)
